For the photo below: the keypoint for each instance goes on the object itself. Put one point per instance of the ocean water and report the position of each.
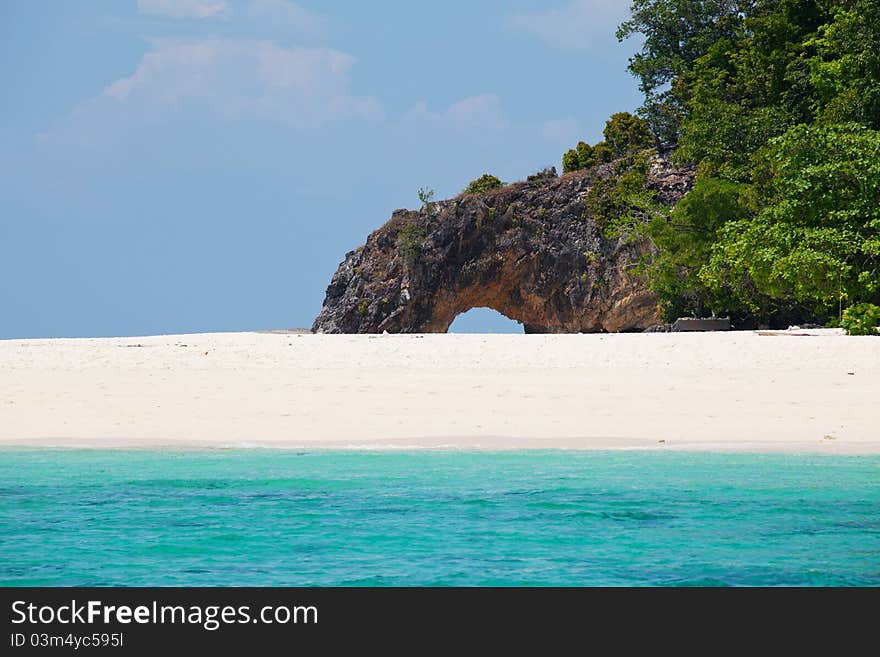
(287, 518)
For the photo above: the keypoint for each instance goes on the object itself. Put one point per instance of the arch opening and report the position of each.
(484, 320)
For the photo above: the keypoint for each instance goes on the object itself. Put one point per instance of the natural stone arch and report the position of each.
(478, 277)
(529, 251)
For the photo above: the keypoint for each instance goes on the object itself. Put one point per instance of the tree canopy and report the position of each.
(777, 103)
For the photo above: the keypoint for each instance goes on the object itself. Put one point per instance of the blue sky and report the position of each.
(203, 165)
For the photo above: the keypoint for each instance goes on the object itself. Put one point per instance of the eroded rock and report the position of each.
(529, 250)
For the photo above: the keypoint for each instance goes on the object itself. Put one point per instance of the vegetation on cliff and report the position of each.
(625, 135)
(483, 184)
(777, 103)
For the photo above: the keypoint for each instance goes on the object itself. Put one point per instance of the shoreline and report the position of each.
(486, 445)
(810, 392)
(754, 449)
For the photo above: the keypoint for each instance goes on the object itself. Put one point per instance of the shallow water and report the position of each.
(285, 518)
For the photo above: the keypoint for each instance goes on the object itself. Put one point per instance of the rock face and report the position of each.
(529, 250)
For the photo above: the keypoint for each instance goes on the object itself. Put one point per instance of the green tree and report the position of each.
(815, 235)
(676, 33)
(846, 68)
(750, 87)
(602, 153)
(570, 161)
(626, 134)
(684, 239)
(585, 156)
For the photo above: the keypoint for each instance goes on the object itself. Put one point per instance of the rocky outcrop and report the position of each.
(529, 250)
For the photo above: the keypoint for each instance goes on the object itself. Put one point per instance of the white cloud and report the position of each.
(172, 72)
(482, 111)
(578, 25)
(234, 77)
(183, 8)
(226, 78)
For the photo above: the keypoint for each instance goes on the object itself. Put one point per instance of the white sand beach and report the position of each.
(740, 391)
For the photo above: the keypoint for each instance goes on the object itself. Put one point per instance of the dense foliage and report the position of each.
(626, 134)
(685, 239)
(570, 161)
(777, 102)
(861, 319)
(812, 235)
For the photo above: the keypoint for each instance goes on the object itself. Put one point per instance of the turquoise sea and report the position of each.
(266, 517)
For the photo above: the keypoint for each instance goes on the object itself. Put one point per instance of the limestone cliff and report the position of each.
(529, 250)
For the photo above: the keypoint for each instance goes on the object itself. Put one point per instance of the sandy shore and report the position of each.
(734, 391)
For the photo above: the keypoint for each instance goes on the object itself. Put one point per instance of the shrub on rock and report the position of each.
(483, 184)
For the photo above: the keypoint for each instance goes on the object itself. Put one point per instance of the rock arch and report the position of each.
(529, 251)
